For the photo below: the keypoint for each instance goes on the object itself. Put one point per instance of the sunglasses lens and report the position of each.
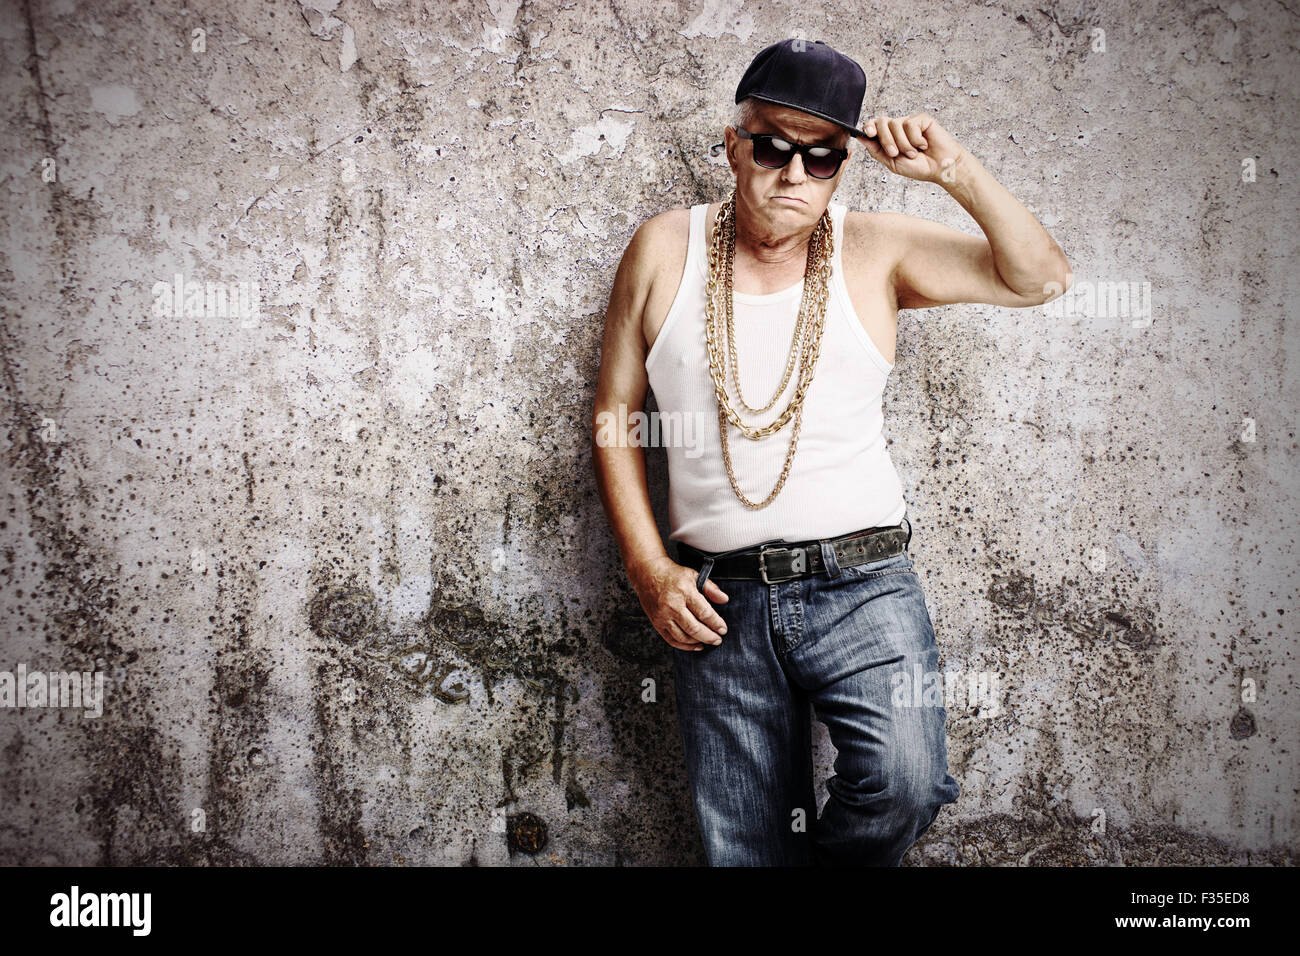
(775, 152)
(768, 153)
(823, 167)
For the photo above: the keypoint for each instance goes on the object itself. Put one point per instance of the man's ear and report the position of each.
(732, 141)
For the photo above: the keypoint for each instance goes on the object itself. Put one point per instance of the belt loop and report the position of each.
(829, 560)
(909, 533)
(705, 570)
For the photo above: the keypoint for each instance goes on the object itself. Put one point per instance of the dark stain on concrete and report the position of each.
(11, 778)
(1242, 725)
(629, 636)
(131, 803)
(248, 475)
(342, 614)
(574, 796)
(525, 833)
(239, 726)
(1092, 614)
(447, 654)
(1014, 591)
(131, 808)
(339, 806)
(1063, 839)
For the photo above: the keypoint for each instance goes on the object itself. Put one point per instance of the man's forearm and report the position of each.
(1026, 255)
(625, 496)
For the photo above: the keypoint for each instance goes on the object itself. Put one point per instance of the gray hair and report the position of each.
(744, 112)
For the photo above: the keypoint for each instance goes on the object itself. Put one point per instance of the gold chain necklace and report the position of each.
(805, 347)
(797, 344)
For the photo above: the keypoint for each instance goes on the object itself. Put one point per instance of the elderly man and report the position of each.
(791, 501)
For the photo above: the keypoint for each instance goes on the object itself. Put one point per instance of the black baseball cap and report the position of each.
(808, 75)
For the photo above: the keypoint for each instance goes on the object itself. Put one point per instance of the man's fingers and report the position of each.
(901, 142)
(685, 618)
(715, 593)
(914, 134)
(886, 135)
(874, 150)
(677, 639)
(687, 621)
(708, 620)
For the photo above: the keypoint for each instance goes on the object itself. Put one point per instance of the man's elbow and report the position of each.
(1053, 283)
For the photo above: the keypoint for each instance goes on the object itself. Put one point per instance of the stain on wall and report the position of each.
(300, 318)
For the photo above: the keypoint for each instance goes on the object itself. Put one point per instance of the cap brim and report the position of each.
(852, 130)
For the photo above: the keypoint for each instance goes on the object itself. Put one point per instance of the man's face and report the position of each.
(785, 200)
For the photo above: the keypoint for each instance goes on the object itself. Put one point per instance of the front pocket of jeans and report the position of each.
(868, 572)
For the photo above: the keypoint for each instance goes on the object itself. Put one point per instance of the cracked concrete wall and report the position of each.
(333, 544)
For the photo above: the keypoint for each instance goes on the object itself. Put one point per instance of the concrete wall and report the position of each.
(341, 565)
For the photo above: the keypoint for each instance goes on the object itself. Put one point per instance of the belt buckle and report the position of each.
(797, 566)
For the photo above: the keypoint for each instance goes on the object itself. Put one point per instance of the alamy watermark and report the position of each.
(1101, 300)
(53, 689)
(211, 300)
(977, 690)
(75, 908)
(653, 429)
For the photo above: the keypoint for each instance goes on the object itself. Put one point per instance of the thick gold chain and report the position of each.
(816, 282)
(785, 469)
(805, 347)
(798, 345)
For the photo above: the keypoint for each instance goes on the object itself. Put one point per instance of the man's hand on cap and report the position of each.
(914, 146)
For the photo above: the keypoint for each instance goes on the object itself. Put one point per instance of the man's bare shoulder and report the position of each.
(874, 237)
(874, 225)
(668, 229)
(659, 243)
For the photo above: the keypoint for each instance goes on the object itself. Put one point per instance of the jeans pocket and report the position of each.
(900, 563)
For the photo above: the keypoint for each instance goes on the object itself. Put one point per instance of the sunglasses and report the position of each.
(773, 152)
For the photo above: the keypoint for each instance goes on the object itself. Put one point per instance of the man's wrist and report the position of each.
(636, 566)
(958, 177)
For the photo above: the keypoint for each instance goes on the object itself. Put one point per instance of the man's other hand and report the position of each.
(676, 608)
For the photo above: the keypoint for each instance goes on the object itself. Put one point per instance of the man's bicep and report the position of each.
(938, 265)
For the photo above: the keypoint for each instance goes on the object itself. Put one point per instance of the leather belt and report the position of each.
(775, 561)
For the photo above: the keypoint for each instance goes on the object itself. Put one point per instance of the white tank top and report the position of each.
(842, 478)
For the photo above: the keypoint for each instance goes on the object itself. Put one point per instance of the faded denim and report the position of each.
(832, 640)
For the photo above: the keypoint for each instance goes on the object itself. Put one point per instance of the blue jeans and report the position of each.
(834, 640)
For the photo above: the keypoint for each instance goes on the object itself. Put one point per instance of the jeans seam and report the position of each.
(869, 575)
(796, 615)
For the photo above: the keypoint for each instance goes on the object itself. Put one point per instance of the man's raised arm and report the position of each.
(1016, 264)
